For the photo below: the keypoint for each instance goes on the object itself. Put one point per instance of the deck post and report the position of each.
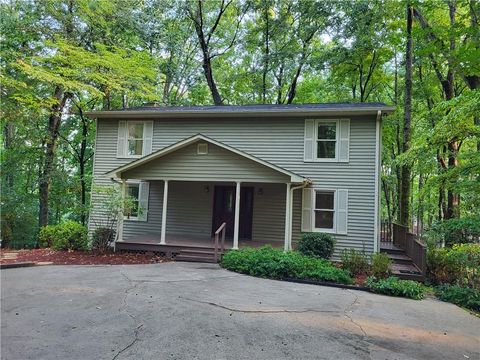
(236, 226)
(164, 212)
(123, 189)
(286, 245)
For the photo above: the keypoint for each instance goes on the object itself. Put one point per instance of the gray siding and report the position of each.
(279, 141)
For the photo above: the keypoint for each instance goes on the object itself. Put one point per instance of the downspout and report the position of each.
(378, 160)
(290, 210)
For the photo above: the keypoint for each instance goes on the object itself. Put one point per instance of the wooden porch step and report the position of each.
(197, 255)
(407, 272)
(400, 259)
(389, 248)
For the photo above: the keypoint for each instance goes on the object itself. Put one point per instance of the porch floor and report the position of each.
(186, 241)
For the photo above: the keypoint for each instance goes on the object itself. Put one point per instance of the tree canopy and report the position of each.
(62, 58)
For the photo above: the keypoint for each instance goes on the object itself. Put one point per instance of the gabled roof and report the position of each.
(294, 178)
(262, 110)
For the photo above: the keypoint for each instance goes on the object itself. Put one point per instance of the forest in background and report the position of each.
(62, 58)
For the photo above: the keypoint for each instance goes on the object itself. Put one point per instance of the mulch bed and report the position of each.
(79, 257)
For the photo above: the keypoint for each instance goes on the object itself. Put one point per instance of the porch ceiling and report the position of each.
(222, 163)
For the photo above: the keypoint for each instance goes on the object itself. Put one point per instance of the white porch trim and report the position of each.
(164, 212)
(236, 226)
(123, 189)
(286, 246)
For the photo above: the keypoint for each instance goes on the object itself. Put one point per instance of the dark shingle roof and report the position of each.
(246, 110)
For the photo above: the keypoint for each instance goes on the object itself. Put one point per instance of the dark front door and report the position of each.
(224, 210)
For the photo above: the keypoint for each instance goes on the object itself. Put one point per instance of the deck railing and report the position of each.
(413, 247)
(221, 230)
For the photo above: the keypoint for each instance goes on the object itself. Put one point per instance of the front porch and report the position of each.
(185, 246)
(187, 195)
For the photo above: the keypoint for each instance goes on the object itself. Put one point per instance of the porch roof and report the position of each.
(286, 174)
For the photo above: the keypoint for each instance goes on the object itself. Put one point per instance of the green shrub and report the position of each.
(101, 239)
(455, 231)
(458, 295)
(66, 236)
(316, 244)
(275, 264)
(457, 265)
(47, 235)
(396, 287)
(380, 267)
(355, 262)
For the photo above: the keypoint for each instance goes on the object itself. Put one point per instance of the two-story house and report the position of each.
(269, 172)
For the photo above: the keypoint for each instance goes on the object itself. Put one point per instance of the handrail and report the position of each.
(413, 247)
(222, 230)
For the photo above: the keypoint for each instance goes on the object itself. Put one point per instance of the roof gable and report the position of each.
(240, 157)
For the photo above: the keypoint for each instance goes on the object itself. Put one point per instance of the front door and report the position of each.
(224, 210)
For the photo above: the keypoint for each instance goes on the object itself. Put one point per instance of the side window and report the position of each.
(326, 140)
(134, 139)
(138, 195)
(324, 210)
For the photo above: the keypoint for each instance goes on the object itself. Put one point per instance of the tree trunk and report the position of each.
(54, 121)
(267, 53)
(406, 168)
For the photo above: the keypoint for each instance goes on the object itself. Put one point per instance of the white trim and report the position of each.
(337, 140)
(325, 230)
(236, 226)
(164, 213)
(183, 143)
(132, 182)
(286, 245)
(378, 159)
(123, 190)
(228, 180)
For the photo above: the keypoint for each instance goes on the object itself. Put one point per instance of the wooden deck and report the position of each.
(176, 243)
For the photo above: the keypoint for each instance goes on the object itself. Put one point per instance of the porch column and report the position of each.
(123, 189)
(236, 226)
(286, 246)
(164, 212)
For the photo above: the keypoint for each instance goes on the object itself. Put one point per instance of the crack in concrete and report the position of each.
(350, 309)
(183, 280)
(258, 311)
(124, 308)
(136, 331)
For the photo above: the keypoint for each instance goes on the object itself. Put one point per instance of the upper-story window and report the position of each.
(326, 140)
(134, 139)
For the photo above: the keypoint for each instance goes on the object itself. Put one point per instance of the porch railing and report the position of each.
(220, 230)
(385, 231)
(413, 247)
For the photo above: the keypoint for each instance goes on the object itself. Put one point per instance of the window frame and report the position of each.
(333, 229)
(127, 139)
(129, 184)
(316, 139)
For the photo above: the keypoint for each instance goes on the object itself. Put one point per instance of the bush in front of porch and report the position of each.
(268, 262)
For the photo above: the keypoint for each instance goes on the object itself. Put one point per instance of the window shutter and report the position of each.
(343, 140)
(309, 140)
(341, 210)
(147, 137)
(143, 193)
(307, 209)
(121, 140)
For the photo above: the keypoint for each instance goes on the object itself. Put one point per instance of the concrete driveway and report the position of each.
(199, 311)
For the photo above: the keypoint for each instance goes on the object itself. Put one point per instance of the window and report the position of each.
(133, 194)
(137, 194)
(326, 139)
(324, 210)
(135, 138)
